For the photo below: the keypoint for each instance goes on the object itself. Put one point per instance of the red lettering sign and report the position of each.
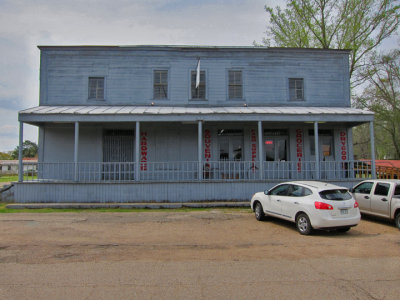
(343, 145)
(299, 148)
(207, 145)
(143, 152)
(253, 139)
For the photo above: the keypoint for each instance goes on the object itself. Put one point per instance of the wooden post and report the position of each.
(137, 152)
(200, 149)
(260, 149)
(372, 136)
(20, 153)
(316, 140)
(76, 149)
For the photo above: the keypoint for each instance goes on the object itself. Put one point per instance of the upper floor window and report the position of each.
(96, 88)
(200, 91)
(296, 89)
(235, 85)
(160, 84)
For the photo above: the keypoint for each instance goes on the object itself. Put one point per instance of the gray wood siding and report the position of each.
(129, 76)
(58, 144)
(142, 192)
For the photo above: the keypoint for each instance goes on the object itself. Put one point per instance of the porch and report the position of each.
(137, 154)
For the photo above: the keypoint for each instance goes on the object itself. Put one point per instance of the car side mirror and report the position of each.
(266, 192)
(351, 190)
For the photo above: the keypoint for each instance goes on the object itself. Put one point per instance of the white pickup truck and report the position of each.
(379, 197)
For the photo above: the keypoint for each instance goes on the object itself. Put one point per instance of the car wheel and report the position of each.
(397, 220)
(343, 229)
(303, 224)
(259, 212)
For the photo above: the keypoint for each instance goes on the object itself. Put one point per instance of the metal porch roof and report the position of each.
(66, 114)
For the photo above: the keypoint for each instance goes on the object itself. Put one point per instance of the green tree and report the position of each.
(361, 142)
(29, 149)
(357, 25)
(4, 156)
(382, 96)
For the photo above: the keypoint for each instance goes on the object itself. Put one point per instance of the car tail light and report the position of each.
(322, 205)
(355, 204)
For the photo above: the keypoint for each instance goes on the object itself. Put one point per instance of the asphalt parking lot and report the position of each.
(212, 254)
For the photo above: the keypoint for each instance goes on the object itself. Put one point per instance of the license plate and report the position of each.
(344, 211)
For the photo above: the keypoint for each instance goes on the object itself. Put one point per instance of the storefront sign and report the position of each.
(299, 148)
(207, 145)
(143, 151)
(253, 147)
(343, 145)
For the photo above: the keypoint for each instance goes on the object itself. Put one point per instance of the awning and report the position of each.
(68, 114)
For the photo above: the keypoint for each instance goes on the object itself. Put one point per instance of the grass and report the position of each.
(8, 178)
(11, 178)
(5, 210)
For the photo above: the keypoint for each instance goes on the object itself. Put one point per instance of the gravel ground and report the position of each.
(198, 255)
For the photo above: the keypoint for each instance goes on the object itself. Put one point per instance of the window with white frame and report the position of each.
(198, 93)
(160, 84)
(296, 89)
(96, 88)
(235, 85)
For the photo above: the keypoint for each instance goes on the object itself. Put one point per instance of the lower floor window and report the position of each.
(230, 144)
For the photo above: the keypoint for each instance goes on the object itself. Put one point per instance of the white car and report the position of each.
(310, 204)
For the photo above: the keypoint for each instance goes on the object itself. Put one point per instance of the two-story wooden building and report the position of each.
(188, 123)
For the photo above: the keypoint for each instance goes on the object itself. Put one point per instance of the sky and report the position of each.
(25, 24)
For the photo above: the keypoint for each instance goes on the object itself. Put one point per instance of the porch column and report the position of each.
(372, 136)
(20, 163)
(317, 167)
(350, 152)
(260, 149)
(76, 147)
(200, 149)
(137, 152)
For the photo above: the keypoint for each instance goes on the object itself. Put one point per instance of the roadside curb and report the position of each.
(149, 205)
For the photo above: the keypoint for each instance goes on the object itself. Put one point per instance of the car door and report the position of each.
(292, 202)
(362, 194)
(275, 197)
(380, 199)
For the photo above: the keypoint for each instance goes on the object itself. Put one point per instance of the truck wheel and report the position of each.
(397, 220)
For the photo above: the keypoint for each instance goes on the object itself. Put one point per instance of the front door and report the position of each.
(275, 154)
(325, 151)
(230, 143)
(118, 154)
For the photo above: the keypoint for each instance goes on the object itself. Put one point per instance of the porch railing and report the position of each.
(189, 171)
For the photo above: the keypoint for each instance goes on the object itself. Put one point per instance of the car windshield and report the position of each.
(339, 194)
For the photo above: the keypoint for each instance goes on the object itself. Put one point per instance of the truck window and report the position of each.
(397, 191)
(382, 189)
(364, 188)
